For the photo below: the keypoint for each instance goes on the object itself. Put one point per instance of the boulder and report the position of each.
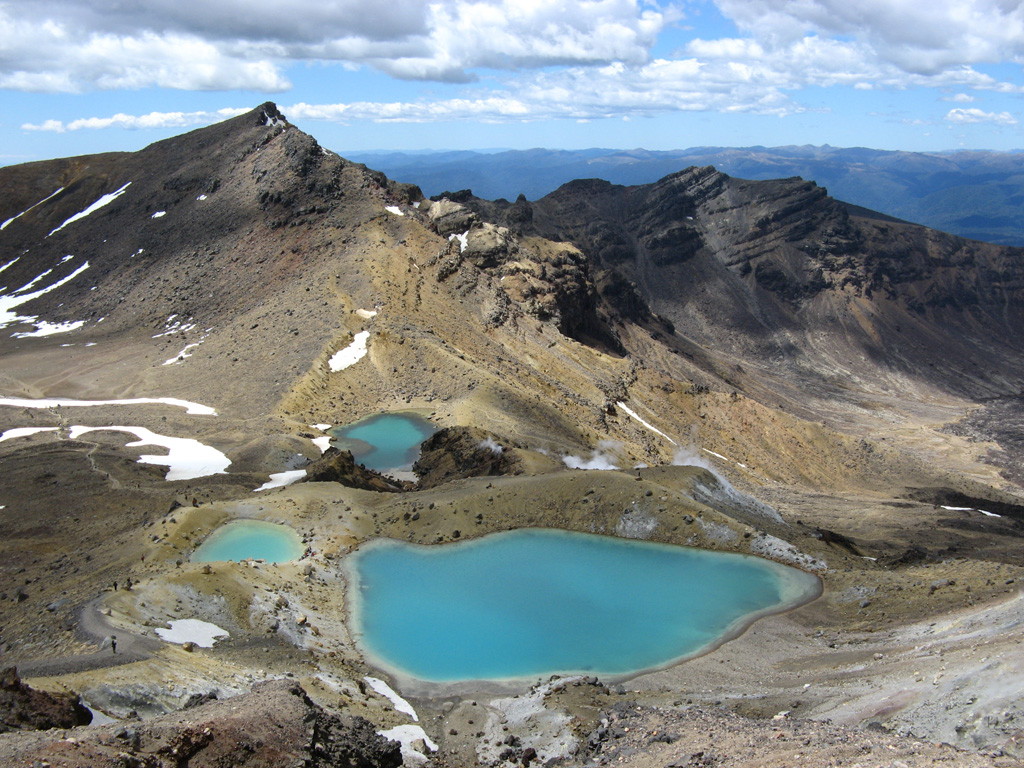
(340, 467)
(24, 708)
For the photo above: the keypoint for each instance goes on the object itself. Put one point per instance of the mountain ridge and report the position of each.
(972, 193)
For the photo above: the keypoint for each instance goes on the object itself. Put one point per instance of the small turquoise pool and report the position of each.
(537, 602)
(386, 441)
(242, 539)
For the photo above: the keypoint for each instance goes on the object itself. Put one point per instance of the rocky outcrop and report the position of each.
(24, 708)
(770, 271)
(275, 725)
(456, 452)
(337, 466)
(543, 278)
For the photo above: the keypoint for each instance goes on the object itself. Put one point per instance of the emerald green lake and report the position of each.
(537, 602)
(386, 441)
(243, 539)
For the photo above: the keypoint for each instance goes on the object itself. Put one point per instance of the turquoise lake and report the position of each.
(243, 539)
(385, 441)
(537, 602)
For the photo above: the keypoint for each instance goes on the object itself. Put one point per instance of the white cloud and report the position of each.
(69, 45)
(963, 116)
(151, 120)
(571, 59)
(918, 38)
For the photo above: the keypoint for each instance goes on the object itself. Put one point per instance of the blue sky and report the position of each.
(83, 76)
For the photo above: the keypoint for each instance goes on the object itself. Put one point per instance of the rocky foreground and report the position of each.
(274, 726)
(278, 725)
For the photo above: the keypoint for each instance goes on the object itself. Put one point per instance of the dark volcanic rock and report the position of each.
(774, 272)
(275, 725)
(340, 467)
(550, 281)
(456, 452)
(24, 708)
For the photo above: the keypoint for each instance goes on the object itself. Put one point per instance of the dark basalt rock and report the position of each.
(24, 708)
(455, 452)
(340, 467)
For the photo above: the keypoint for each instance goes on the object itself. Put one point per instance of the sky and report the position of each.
(85, 76)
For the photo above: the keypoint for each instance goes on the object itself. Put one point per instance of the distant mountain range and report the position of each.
(974, 194)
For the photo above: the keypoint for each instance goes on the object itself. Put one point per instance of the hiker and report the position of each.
(113, 644)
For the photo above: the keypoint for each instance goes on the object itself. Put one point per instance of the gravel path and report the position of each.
(95, 627)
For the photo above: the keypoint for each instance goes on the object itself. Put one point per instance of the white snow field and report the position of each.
(202, 633)
(10, 434)
(194, 409)
(351, 354)
(281, 479)
(186, 458)
(9, 302)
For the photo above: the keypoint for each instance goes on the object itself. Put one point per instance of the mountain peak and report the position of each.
(269, 114)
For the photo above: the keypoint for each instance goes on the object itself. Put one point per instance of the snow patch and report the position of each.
(351, 354)
(174, 325)
(202, 633)
(186, 352)
(15, 299)
(406, 735)
(366, 314)
(394, 209)
(194, 409)
(272, 122)
(4, 225)
(321, 427)
(463, 240)
(281, 479)
(46, 328)
(970, 509)
(385, 690)
(93, 208)
(10, 434)
(323, 443)
(201, 197)
(186, 458)
(653, 429)
(158, 214)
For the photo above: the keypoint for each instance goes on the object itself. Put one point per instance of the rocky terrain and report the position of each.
(755, 367)
(274, 725)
